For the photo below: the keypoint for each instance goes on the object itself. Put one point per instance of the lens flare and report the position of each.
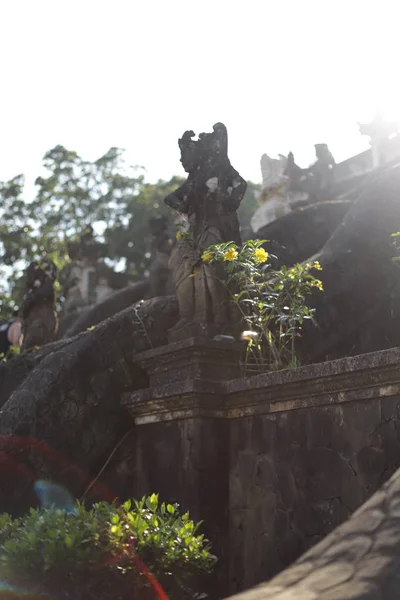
(17, 455)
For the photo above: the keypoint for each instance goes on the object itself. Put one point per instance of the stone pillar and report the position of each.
(182, 437)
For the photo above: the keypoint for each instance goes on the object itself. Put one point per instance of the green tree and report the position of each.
(130, 238)
(108, 194)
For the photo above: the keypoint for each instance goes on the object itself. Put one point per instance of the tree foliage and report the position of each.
(71, 193)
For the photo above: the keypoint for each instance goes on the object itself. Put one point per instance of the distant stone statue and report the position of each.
(322, 171)
(79, 277)
(274, 201)
(39, 319)
(282, 188)
(378, 130)
(160, 253)
(296, 176)
(208, 199)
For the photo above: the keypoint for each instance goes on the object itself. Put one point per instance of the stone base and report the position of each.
(206, 331)
(191, 359)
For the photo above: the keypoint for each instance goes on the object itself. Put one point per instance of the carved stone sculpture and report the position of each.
(322, 171)
(208, 199)
(79, 278)
(274, 201)
(297, 179)
(39, 319)
(314, 184)
(281, 190)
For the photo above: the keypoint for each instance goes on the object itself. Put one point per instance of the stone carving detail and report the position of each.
(208, 200)
(79, 277)
(39, 319)
(286, 186)
(87, 280)
(322, 171)
(274, 197)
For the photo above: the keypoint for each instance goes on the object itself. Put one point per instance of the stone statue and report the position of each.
(160, 253)
(378, 130)
(79, 277)
(281, 190)
(39, 319)
(322, 171)
(314, 184)
(274, 201)
(296, 176)
(208, 200)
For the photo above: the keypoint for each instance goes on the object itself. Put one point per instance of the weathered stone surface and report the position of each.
(78, 322)
(303, 232)
(272, 464)
(191, 359)
(68, 396)
(207, 201)
(359, 560)
(291, 454)
(358, 310)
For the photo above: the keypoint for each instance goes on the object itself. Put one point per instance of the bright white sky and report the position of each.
(282, 75)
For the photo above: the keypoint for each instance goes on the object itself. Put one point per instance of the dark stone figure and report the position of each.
(322, 171)
(317, 180)
(160, 253)
(39, 319)
(87, 246)
(298, 183)
(84, 253)
(208, 201)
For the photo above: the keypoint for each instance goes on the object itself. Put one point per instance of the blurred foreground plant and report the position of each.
(100, 553)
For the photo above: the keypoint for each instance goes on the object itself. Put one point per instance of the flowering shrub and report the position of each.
(271, 302)
(107, 552)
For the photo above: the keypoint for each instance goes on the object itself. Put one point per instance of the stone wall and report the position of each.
(296, 475)
(271, 463)
(360, 560)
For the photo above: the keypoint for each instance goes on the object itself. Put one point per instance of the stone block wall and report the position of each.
(296, 475)
(273, 463)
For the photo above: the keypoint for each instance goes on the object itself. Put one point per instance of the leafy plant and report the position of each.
(396, 244)
(271, 302)
(101, 552)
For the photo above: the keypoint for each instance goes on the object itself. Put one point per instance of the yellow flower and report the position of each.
(178, 235)
(230, 254)
(261, 255)
(206, 256)
(316, 266)
(318, 284)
